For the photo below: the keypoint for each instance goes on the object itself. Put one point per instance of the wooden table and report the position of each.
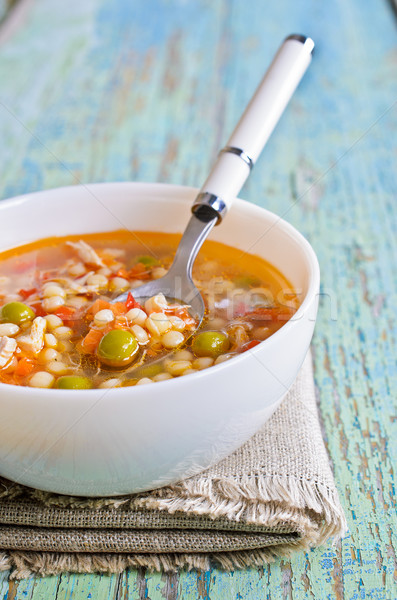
(106, 90)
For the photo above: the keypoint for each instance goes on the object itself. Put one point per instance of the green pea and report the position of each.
(148, 261)
(210, 343)
(246, 281)
(117, 348)
(151, 370)
(17, 312)
(73, 382)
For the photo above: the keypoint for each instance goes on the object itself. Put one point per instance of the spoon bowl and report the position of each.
(177, 285)
(230, 171)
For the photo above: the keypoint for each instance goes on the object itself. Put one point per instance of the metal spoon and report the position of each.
(230, 171)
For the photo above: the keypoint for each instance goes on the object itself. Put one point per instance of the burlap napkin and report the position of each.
(274, 495)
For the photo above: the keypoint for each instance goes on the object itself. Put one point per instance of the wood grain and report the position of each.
(106, 90)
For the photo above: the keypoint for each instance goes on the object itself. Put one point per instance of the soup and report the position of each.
(60, 326)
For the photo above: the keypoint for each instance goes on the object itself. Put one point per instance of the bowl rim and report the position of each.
(179, 193)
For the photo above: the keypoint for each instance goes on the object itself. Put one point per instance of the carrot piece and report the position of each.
(139, 271)
(24, 367)
(10, 367)
(8, 378)
(118, 308)
(121, 273)
(97, 306)
(91, 341)
(119, 325)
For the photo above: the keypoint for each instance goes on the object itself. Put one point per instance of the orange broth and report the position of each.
(247, 300)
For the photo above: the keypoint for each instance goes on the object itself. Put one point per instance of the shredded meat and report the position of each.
(7, 349)
(87, 254)
(34, 342)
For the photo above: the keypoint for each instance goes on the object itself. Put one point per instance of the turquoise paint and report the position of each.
(150, 91)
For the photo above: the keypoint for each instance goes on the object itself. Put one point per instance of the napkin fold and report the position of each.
(274, 495)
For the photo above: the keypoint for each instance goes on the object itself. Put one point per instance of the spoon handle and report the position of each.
(247, 141)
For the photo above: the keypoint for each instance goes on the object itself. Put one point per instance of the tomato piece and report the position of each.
(131, 302)
(38, 309)
(66, 313)
(26, 293)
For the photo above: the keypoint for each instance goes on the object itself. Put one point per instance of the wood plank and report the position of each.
(4, 575)
(37, 588)
(96, 110)
(87, 586)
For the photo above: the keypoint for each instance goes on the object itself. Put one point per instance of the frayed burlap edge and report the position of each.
(313, 508)
(270, 501)
(26, 564)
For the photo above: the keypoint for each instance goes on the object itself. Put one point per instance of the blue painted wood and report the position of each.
(150, 91)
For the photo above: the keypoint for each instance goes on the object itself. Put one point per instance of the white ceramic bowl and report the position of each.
(117, 441)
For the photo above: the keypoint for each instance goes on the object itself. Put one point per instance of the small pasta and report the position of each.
(71, 330)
